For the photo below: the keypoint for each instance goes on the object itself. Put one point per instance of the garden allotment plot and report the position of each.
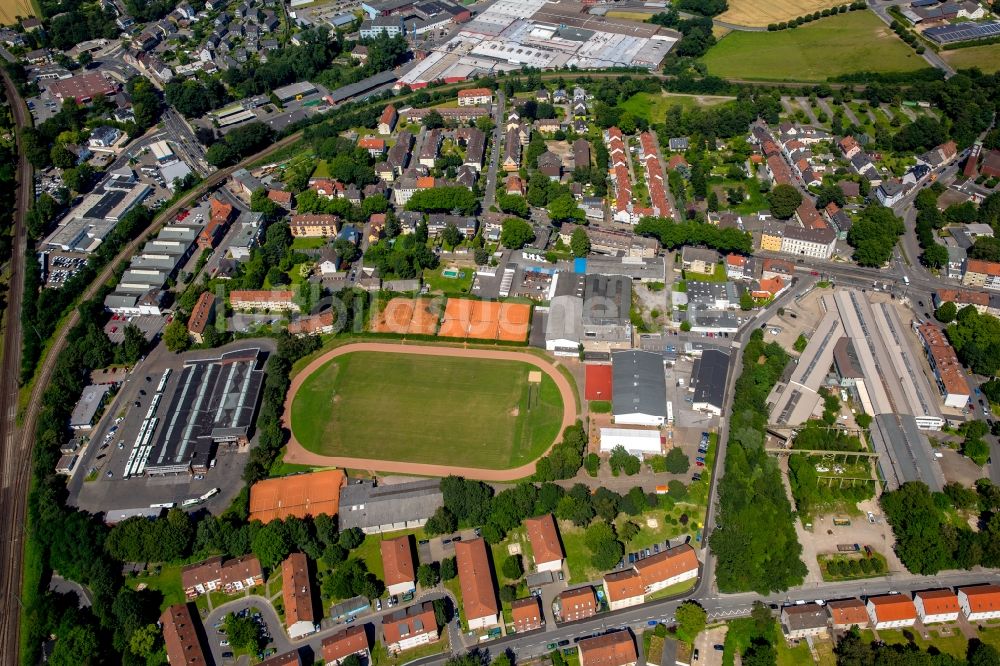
(445, 410)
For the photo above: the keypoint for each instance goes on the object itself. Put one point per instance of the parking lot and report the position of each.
(104, 460)
(61, 266)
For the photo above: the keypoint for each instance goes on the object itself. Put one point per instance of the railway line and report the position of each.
(15, 452)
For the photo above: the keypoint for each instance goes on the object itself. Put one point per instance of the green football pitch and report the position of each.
(465, 412)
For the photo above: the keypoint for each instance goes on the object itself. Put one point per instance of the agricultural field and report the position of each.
(471, 412)
(654, 107)
(842, 44)
(986, 58)
(10, 10)
(757, 14)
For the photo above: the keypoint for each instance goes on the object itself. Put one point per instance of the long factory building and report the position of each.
(865, 344)
(512, 34)
(211, 401)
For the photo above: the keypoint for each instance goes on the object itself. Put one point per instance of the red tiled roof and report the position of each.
(261, 296)
(893, 607)
(296, 590)
(963, 297)
(614, 649)
(982, 598)
(526, 614)
(544, 538)
(410, 621)
(667, 564)
(476, 579)
(181, 637)
(623, 585)
(848, 612)
(938, 602)
(982, 266)
(475, 92)
(201, 314)
(397, 560)
(345, 644)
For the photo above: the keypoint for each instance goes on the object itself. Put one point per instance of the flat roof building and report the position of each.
(87, 407)
(212, 401)
(639, 388)
(708, 379)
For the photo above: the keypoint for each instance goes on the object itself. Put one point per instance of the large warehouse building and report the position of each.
(211, 401)
(512, 34)
(639, 388)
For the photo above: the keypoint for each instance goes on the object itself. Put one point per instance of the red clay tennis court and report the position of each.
(514, 318)
(407, 316)
(485, 320)
(598, 384)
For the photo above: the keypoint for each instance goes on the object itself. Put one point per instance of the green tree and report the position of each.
(691, 619)
(564, 209)
(516, 233)
(513, 204)
(243, 633)
(143, 642)
(579, 242)
(175, 336)
(449, 569)
(133, 346)
(442, 522)
(270, 544)
(622, 460)
(427, 575)
(451, 235)
(676, 461)
(78, 645)
(512, 567)
(946, 312)
(605, 549)
(783, 200)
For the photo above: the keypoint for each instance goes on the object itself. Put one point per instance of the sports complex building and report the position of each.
(211, 401)
(512, 34)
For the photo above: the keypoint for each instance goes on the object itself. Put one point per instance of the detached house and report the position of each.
(545, 545)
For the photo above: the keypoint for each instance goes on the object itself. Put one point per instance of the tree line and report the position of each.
(754, 542)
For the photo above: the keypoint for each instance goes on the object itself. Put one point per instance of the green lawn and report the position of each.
(653, 107)
(427, 409)
(852, 42)
(986, 58)
(308, 243)
(167, 582)
(953, 643)
(438, 283)
(322, 170)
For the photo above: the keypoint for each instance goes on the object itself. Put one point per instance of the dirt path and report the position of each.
(298, 454)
